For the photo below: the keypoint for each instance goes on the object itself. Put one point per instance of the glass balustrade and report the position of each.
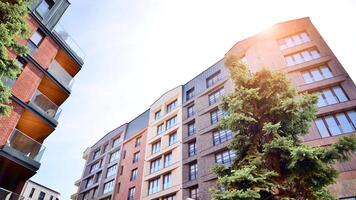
(25, 145)
(44, 105)
(56, 70)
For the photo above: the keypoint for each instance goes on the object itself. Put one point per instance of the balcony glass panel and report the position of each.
(56, 70)
(25, 145)
(69, 41)
(8, 195)
(45, 105)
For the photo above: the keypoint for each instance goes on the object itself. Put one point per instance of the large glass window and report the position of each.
(42, 196)
(95, 166)
(138, 141)
(96, 154)
(214, 97)
(293, 40)
(170, 197)
(167, 181)
(225, 157)
(213, 79)
(132, 192)
(154, 186)
(44, 7)
(173, 138)
(317, 74)
(171, 122)
(194, 193)
(114, 156)
(136, 156)
(133, 175)
(160, 129)
(190, 111)
(336, 124)
(35, 41)
(168, 159)
(156, 147)
(108, 187)
(192, 149)
(158, 115)
(90, 182)
(172, 106)
(111, 171)
(191, 128)
(302, 57)
(193, 171)
(155, 165)
(216, 115)
(116, 142)
(189, 94)
(221, 136)
(331, 96)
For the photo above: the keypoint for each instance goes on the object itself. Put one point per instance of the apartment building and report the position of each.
(183, 141)
(35, 191)
(129, 178)
(37, 94)
(162, 179)
(99, 176)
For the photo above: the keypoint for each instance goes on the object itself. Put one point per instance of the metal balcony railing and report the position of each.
(56, 70)
(44, 105)
(60, 32)
(25, 145)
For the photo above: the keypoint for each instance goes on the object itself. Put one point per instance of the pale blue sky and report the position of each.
(138, 49)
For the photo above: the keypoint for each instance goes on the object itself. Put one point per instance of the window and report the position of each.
(213, 79)
(44, 7)
(214, 97)
(95, 192)
(160, 129)
(153, 186)
(108, 187)
(32, 192)
(189, 94)
(302, 57)
(193, 171)
(216, 115)
(317, 74)
(226, 157)
(96, 154)
(98, 177)
(221, 136)
(158, 115)
(331, 96)
(194, 193)
(51, 198)
(167, 181)
(138, 141)
(168, 159)
(124, 154)
(336, 124)
(133, 175)
(191, 129)
(35, 41)
(121, 169)
(86, 195)
(170, 197)
(155, 165)
(172, 138)
(171, 122)
(132, 192)
(190, 111)
(105, 149)
(41, 196)
(136, 157)
(90, 182)
(116, 142)
(171, 106)
(111, 171)
(156, 147)
(114, 156)
(293, 40)
(95, 166)
(192, 149)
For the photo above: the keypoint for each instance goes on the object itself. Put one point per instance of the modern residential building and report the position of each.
(77, 182)
(163, 157)
(99, 176)
(36, 191)
(129, 178)
(183, 141)
(37, 94)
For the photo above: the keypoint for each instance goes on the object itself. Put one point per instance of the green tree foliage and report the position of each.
(269, 117)
(13, 25)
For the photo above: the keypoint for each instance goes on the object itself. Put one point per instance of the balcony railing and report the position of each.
(25, 145)
(44, 105)
(8, 195)
(56, 70)
(60, 32)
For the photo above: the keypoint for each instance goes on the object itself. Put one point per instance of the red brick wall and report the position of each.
(124, 179)
(7, 124)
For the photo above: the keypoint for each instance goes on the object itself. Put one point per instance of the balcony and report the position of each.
(45, 106)
(25, 146)
(58, 72)
(8, 195)
(69, 42)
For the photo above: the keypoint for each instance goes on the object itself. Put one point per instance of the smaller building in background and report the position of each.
(77, 182)
(36, 191)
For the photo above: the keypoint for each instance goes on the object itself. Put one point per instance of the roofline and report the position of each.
(108, 134)
(138, 116)
(44, 186)
(165, 94)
